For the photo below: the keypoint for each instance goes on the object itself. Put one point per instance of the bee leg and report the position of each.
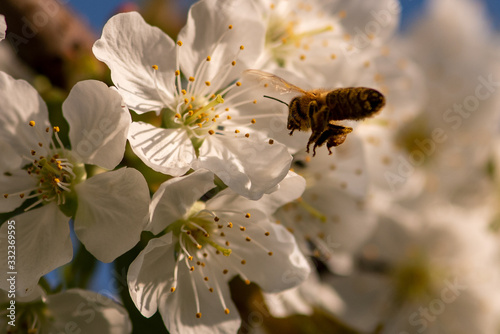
(333, 136)
(318, 119)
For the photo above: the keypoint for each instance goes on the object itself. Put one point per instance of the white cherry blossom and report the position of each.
(47, 180)
(184, 273)
(187, 83)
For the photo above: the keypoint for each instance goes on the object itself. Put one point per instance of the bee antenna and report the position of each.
(275, 99)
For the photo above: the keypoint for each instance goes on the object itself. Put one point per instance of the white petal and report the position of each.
(20, 105)
(112, 211)
(3, 27)
(87, 311)
(151, 273)
(14, 182)
(130, 47)
(168, 151)
(178, 309)
(174, 198)
(42, 244)
(248, 167)
(98, 123)
(289, 189)
(208, 20)
(286, 268)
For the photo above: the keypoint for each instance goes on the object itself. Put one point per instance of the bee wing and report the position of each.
(279, 84)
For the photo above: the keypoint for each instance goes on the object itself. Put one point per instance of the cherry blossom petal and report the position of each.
(285, 268)
(130, 47)
(289, 189)
(167, 151)
(208, 20)
(42, 244)
(98, 123)
(151, 273)
(248, 167)
(112, 212)
(174, 198)
(20, 105)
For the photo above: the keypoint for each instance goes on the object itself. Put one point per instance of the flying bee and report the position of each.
(321, 110)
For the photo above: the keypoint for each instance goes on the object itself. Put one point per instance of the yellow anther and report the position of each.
(266, 234)
(190, 258)
(184, 92)
(172, 289)
(32, 123)
(270, 253)
(271, 6)
(236, 131)
(207, 83)
(247, 215)
(21, 195)
(200, 125)
(228, 117)
(230, 26)
(226, 311)
(243, 261)
(177, 72)
(192, 99)
(233, 63)
(254, 101)
(333, 56)
(198, 315)
(230, 225)
(243, 228)
(33, 152)
(225, 271)
(242, 47)
(247, 135)
(177, 116)
(209, 58)
(155, 67)
(211, 132)
(238, 83)
(186, 101)
(302, 57)
(191, 79)
(5, 195)
(271, 141)
(179, 43)
(247, 282)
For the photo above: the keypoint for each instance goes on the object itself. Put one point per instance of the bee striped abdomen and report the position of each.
(354, 103)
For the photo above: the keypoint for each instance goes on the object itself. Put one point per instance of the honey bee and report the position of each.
(320, 109)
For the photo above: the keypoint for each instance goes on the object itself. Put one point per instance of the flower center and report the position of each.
(55, 172)
(204, 246)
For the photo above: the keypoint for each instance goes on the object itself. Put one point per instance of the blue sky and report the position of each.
(97, 12)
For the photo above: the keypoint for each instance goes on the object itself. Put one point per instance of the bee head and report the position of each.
(376, 100)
